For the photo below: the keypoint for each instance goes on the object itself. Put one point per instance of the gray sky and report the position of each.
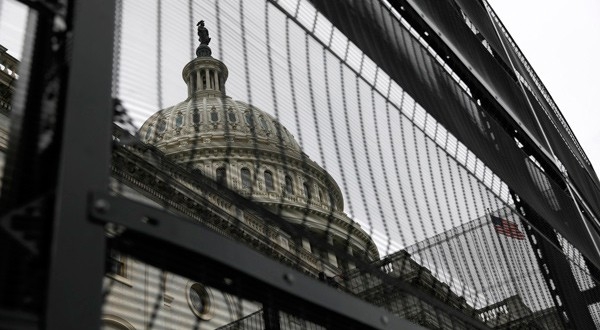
(562, 42)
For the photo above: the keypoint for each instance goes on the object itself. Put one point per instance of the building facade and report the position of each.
(241, 149)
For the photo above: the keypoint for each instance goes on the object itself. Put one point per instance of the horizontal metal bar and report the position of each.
(185, 234)
(84, 162)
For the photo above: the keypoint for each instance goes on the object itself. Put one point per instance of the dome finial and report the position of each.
(203, 50)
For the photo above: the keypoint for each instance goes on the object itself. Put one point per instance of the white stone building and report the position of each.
(243, 149)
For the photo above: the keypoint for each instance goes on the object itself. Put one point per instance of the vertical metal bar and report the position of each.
(78, 246)
(271, 316)
(564, 287)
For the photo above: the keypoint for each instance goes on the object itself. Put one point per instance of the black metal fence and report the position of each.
(324, 165)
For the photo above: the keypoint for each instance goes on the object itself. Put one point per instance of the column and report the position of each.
(217, 85)
(206, 74)
(351, 264)
(330, 255)
(306, 244)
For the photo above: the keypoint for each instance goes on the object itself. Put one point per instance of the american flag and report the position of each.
(507, 228)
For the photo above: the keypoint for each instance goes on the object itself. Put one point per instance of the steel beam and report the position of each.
(77, 249)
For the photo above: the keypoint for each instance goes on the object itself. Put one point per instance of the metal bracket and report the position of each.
(19, 223)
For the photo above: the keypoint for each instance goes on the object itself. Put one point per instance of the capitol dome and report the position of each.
(249, 151)
(209, 114)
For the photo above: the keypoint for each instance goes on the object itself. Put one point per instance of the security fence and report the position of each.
(322, 165)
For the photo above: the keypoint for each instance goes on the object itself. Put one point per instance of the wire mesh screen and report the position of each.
(344, 140)
(288, 137)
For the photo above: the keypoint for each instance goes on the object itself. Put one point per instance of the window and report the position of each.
(179, 120)
(149, 132)
(161, 126)
(246, 180)
(116, 263)
(307, 193)
(203, 76)
(269, 181)
(289, 185)
(196, 117)
(221, 175)
(199, 300)
(231, 116)
(214, 115)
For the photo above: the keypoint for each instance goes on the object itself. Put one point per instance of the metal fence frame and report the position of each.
(83, 206)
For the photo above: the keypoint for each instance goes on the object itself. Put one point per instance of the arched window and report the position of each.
(289, 185)
(203, 76)
(248, 118)
(307, 193)
(320, 195)
(246, 179)
(269, 181)
(221, 175)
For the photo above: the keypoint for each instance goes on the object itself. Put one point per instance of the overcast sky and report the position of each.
(561, 40)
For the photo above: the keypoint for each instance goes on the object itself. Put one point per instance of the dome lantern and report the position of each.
(205, 74)
(248, 150)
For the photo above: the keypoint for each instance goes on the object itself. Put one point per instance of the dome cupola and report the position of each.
(205, 75)
(249, 151)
